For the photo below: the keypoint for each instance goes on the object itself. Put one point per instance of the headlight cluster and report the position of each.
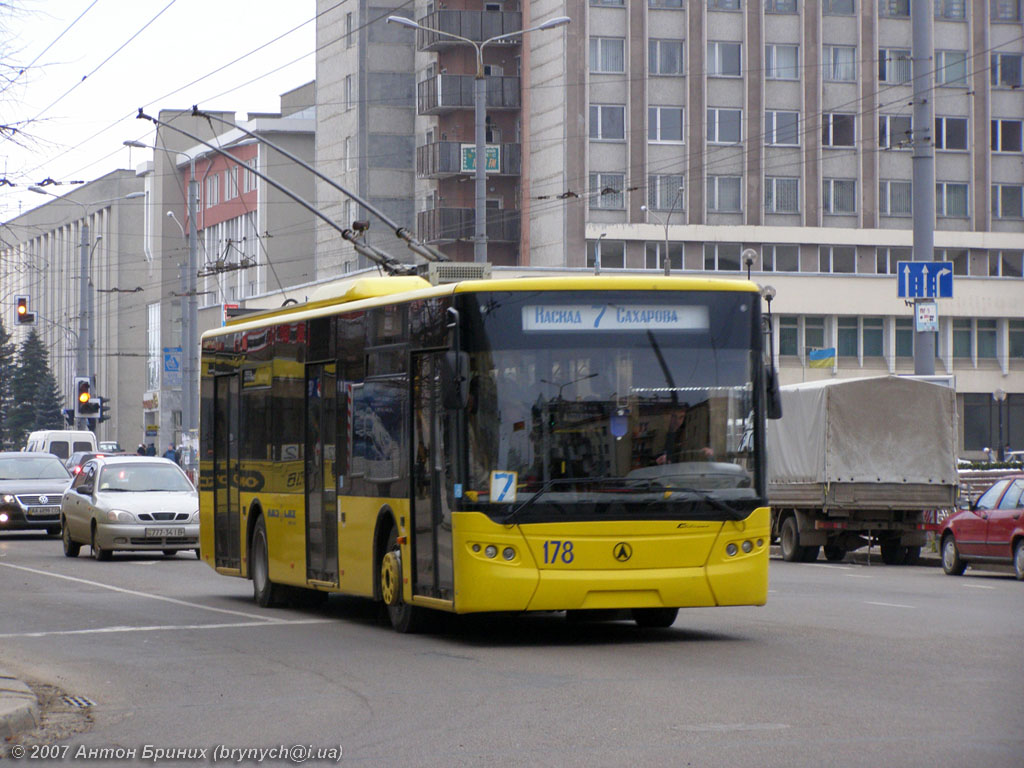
(491, 551)
(120, 516)
(747, 546)
(8, 498)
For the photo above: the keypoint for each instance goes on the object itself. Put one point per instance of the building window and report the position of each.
(840, 63)
(665, 192)
(871, 336)
(665, 3)
(654, 252)
(1007, 69)
(886, 259)
(723, 60)
(1007, 201)
(789, 336)
(782, 128)
(904, 337)
(782, 195)
(839, 196)
(606, 191)
(1006, 10)
(1006, 135)
(847, 337)
(665, 57)
(1016, 339)
(782, 62)
(349, 39)
(780, 258)
(350, 156)
(838, 7)
(950, 10)
(962, 338)
(951, 68)
(814, 332)
(212, 190)
(951, 133)
(665, 124)
(951, 200)
(780, 6)
(607, 54)
(837, 129)
(154, 354)
(607, 122)
(350, 92)
(723, 194)
(722, 257)
(894, 65)
(986, 338)
(612, 253)
(724, 125)
(837, 259)
(894, 132)
(1004, 263)
(894, 9)
(895, 198)
(723, 5)
(959, 257)
(610, 3)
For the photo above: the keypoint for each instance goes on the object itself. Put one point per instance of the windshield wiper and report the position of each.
(631, 482)
(714, 501)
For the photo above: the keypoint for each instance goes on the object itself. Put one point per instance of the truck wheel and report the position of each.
(789, 540)
(809, 554)
(834, 552)
(913, 556)
(893, 553)
(951, 562)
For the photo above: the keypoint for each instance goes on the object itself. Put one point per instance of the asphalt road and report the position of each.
(848, 665)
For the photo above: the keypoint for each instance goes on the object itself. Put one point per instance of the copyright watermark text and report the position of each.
(295, 754)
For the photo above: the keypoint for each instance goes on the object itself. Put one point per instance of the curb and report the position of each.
(19, 710)
(860, 556)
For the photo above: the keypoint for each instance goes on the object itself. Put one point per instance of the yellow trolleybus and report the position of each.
(517, 444)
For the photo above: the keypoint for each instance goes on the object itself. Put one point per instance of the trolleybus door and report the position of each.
(321, 473)
(227, 521)
(431, 482)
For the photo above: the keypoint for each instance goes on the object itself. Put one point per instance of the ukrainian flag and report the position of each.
(822, 358)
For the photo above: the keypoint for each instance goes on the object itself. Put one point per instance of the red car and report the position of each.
(991, 531)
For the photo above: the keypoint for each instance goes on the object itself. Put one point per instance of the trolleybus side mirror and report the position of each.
(455, 380)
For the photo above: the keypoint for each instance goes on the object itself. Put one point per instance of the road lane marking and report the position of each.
(976, 586)
(159, 628)
(122, 590)
(858, 576)
(888, 605)
(831, 567)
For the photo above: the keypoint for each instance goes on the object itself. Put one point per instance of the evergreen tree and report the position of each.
(36, 401)
(7, 372)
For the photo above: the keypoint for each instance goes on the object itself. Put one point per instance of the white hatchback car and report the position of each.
(130, 503)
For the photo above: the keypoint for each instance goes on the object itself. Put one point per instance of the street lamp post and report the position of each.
(1000, 396)
(189, 314)
(479, 109)
(84, 357)
(665, 259)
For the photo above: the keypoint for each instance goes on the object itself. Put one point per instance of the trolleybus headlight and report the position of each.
(747, 545)
(508, 553)
(731, 550)
(760, 543)
(491, 551)
(476, 547)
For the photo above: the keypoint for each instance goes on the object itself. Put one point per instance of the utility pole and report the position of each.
(923, 58)
(82, 357)
(190, 378)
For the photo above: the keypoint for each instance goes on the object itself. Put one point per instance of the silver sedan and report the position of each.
(130, 503)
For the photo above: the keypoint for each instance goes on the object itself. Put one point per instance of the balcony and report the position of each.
(443, 159)
(473, 25)
(445, 93)
(443, 225)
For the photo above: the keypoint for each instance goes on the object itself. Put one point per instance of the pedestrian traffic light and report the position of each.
(21, 314)
(86, 406)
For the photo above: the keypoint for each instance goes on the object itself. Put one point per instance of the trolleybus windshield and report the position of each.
(611, 404)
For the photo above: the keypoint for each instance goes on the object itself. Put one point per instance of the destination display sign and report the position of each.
(614, 317)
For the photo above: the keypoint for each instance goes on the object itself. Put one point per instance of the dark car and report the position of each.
(991, 531)
(77, 459)
(31, 486)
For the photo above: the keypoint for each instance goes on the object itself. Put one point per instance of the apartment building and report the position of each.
(695, 131)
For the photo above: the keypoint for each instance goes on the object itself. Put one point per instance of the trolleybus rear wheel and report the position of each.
(266, 593)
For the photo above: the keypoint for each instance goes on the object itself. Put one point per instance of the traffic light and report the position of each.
(22, 316)
(86, 406)
(104, 409)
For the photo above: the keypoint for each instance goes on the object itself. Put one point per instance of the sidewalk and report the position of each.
(18, 709)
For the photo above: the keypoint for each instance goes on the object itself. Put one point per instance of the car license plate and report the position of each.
(162, 533)
(43, 511)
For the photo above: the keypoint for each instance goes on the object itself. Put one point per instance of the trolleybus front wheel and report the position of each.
(655, 617)
(404, 618)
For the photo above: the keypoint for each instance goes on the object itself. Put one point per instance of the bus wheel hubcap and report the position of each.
(390, 583)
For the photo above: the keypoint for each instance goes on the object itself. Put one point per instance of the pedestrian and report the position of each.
(141, 450)
(151, 449)
(171, 454)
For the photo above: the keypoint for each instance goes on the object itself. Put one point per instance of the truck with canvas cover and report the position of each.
(856, 462)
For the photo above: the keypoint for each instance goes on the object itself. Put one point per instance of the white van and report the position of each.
(61, 442)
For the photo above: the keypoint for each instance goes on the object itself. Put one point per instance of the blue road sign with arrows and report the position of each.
(925, 279)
